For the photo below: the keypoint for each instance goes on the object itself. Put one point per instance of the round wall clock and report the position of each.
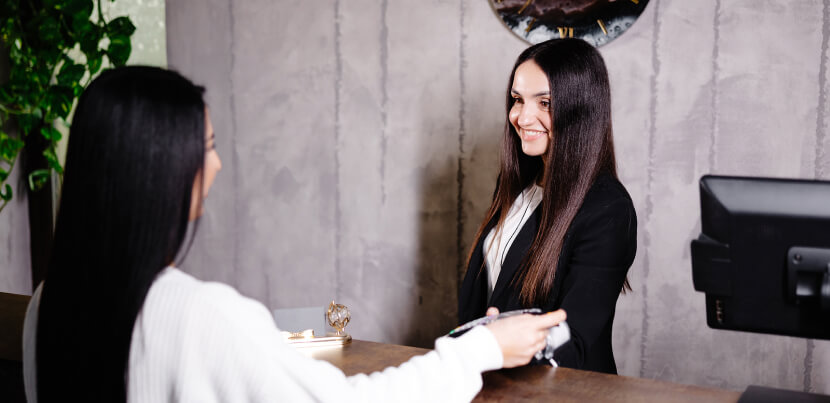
(596, 21)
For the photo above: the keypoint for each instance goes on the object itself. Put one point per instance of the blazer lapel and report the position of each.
(518, 249)
(473, 290)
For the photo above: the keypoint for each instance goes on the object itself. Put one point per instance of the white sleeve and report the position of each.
(247, 359)
(451, 372)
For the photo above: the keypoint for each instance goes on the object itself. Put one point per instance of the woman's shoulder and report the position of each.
(607, 192)
(606, 223)
(198, 299)
(172, 280)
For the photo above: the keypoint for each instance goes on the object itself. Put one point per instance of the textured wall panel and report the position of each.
(674, 313)
(361, 50)
(201, 50)
(488, 52)
(419, 167)
(632, 72)
(283, 100)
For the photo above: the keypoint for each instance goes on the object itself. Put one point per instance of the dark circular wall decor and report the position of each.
(596, 21)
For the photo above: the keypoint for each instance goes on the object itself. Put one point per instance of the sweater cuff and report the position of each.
(480, 347)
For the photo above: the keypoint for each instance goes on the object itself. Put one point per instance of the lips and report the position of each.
(530, 135)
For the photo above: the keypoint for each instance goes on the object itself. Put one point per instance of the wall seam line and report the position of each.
(715, 101)
(655, 63)
(235, 154)
(822, 95)
(384, 96)
(338, 89)
(462, 114)
(820, 156)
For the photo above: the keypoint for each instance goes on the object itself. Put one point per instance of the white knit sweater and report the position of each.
(198, 341)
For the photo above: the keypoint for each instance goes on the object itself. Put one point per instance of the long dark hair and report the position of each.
(135, 146)
(582, 148)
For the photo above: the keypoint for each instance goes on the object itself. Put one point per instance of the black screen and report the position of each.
(763, 255)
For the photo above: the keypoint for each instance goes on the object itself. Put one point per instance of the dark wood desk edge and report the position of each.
(569, 384)
(529, 383)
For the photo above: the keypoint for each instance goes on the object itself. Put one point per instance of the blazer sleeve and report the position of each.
(603, 246)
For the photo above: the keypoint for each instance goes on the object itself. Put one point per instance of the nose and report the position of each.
(527, 116)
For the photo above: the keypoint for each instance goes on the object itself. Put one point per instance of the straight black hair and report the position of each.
(136, 144)
(581, 149)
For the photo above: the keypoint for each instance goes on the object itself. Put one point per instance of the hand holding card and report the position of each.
(521, 334)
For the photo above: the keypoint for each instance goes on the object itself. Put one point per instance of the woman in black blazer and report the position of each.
(561, 231)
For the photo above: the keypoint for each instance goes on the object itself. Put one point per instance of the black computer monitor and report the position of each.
(763, 255)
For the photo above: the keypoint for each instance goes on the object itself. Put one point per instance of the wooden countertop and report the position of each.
(538, 383)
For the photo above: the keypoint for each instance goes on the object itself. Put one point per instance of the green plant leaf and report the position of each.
(50, 133)
(70, 73)
(38, 178)
(25, 122)
(77, 89)
(80, 8)
(16, 144)
(16, 51)
(9, 147)
(94, 61)
(6, 194)
(38, 36)
(119, 49)
(5, 97)
(88, 34)
(49, 31)
(52, 160)
(121, 26)
(60, 100)
(5, 150)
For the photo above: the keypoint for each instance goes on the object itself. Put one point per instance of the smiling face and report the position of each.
(530, 114)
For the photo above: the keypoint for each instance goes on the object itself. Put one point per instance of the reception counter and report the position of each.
(539, 383)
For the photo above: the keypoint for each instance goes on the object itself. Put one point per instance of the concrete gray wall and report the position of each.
(359, 141)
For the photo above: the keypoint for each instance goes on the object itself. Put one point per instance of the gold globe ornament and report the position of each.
(338, 317)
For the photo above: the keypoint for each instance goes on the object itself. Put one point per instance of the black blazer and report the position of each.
(599, 248)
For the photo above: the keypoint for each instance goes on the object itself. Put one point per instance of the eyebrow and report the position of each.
(538, 94)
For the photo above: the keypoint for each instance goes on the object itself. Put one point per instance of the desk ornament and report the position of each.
(337, 316)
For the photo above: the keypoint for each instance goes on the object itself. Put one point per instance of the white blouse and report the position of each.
(498, 240)
(196, 341)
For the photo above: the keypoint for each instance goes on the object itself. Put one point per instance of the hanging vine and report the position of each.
(55, 47)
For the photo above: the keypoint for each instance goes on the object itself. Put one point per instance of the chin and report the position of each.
(532, 150)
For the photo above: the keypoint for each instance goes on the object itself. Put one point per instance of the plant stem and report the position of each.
(101, 15)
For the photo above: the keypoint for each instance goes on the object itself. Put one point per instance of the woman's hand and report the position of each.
(520, 337)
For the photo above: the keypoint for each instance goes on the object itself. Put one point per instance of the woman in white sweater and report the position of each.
(115, 320)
